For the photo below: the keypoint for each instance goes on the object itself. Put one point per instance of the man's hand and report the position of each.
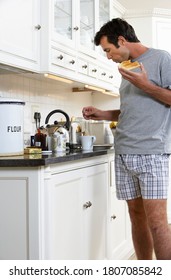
(138, 79)
(92, 113)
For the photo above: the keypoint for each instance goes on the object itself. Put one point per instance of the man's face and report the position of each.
(116, 54)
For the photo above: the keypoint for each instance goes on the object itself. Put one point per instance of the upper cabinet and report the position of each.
(20, 33)
(74, 23)
(63, 26)
(68, 29)
(57, 37)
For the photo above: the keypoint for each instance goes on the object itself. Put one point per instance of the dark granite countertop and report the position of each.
(44, 160)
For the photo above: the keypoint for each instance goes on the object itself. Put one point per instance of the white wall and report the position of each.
(48, 95)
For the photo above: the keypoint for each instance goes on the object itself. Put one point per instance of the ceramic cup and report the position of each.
(87, 142)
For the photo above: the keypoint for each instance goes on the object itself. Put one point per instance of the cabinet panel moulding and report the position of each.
(156, 12)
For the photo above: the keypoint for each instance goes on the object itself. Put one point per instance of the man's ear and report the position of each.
(121, 41)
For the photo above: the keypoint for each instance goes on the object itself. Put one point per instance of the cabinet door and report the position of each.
(19, 33)
(66, 216)
(76, 206)
(104, 16)
(63, 21)
(95, 192)
(13, 217)
(87, 23)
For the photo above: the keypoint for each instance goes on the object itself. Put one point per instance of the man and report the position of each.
(143, 136)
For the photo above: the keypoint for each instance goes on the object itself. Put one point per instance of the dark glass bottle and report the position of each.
(40, 140)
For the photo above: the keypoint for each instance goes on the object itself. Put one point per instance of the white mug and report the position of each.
(87, 142)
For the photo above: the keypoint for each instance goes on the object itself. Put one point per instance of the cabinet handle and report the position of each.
(38, 27)
(76, 28)
(72, 61)
(60, 57)
(103, 74)
(84, 66)
(113, 217)
(87, 204)
(94, 70)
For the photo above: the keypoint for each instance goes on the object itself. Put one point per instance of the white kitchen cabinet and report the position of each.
(68, 29)
(56, 212)
(77, 210)
(94, 222)
(20, 33)
(63, 211)
(13, 219)
(65, 208)
(119, 228)
(75, 22)
(63, 25)
(19, 210)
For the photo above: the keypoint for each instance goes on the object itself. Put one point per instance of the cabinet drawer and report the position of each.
(105, 75)
(102, 74)
(63, 59)
(58, 58)
(70, 62)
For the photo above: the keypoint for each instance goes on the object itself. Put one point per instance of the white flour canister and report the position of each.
(11, 127)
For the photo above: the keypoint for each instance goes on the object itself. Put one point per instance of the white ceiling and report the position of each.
(145, 4)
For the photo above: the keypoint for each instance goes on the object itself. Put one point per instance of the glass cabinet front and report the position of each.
(77, 21)
(104, 13)
(104, 16)
(63, 18)
(87, 23)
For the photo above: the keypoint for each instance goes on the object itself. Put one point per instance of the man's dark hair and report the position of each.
(115, 28)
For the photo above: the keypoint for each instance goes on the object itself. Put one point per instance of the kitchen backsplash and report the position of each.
(46, 95)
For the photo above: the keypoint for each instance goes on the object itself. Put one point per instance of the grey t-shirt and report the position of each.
(144, 125)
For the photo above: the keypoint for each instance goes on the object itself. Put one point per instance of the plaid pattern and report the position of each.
(145, 176)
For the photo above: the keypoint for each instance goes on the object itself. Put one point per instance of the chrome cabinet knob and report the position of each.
(113, 217)
(60, 57)
(84, 66)
(72, 61)
(38, 27)
(87, 204)
(76, 28)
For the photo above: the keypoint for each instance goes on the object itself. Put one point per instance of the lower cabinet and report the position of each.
(63, 211)
(77, 207)
(19, 213)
